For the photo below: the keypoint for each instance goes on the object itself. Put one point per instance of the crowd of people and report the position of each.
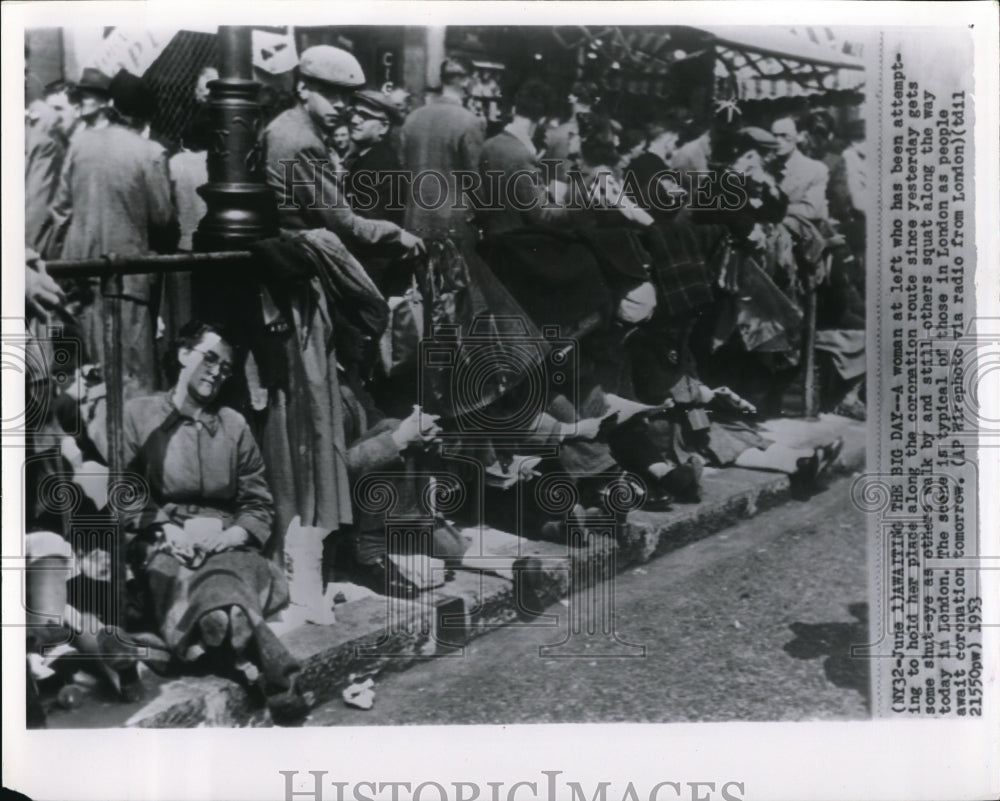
(672, 260)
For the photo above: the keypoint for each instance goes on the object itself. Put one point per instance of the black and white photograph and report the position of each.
(494, 370)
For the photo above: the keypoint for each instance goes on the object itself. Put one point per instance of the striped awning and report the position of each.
(768, 62)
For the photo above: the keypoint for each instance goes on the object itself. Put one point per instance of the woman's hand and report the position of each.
(232, 537)
(178, 539)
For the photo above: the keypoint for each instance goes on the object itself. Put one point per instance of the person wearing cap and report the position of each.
(439, 139)
(372, 158)
(803, 179)
(114, 197)
(299, 169)
(92, 94)
(748, 153)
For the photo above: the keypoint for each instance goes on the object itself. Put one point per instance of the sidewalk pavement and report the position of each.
(375, 633)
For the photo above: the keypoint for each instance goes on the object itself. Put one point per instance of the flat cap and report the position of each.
(331, 65)
(376, 104)
(753, 136)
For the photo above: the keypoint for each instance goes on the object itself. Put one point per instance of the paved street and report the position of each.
(753, 623)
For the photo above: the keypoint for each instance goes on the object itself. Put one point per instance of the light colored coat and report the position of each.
(113, 193)
(43, 155)
(804, 182)
(114, 197)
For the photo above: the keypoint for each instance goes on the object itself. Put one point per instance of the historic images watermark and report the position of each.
(667, 190)
(552, 785)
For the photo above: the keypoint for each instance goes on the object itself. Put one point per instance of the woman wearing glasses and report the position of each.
(202, 515)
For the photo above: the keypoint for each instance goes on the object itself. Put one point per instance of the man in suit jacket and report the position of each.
(513, 194)
(803, 179)
(438, 139)
(114, 197)
(299, 172)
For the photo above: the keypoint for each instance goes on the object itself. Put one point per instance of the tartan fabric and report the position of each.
(679, 267)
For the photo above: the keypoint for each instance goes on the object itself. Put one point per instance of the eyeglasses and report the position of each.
(213, 360)
(785, 136)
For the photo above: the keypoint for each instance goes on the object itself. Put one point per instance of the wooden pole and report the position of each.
(111, 300)
(809, 395)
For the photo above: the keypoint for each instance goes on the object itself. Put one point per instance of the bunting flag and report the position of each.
(130, 49)
(274, 53)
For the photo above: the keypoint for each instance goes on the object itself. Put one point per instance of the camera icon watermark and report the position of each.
(46, 361)
(498, 380)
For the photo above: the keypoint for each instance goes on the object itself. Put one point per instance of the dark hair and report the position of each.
(597, 141)
(533, 99)
(188, 337)
(656, 128)
(58, 87)
(630, 138)
(197, 134)
(792, 118)
(820, 122)
(585, 92)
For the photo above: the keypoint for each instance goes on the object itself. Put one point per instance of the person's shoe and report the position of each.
(385, 578)
(289, 708)
(854, 409)
(529, 585)
(132, 688)
(214, 627)
(658, 501)
(828, 454)
(806, 471)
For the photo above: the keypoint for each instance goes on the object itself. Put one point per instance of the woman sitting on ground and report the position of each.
(195, 545)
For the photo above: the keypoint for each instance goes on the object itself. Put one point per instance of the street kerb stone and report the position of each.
(478, 600)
